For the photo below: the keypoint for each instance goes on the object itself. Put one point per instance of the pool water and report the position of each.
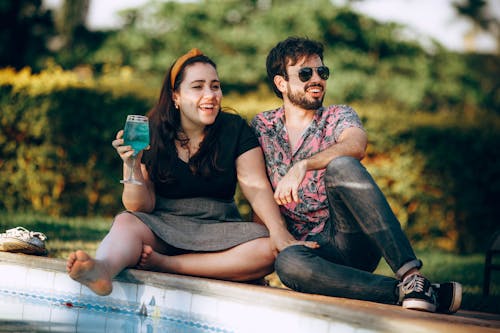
(22, 311)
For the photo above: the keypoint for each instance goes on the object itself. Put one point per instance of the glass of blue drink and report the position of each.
(136, 135)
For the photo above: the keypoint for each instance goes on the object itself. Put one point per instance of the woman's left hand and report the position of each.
(126, 152)
(283, 239)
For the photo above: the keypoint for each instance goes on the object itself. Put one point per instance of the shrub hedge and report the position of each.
(441, 174)
(55, 135)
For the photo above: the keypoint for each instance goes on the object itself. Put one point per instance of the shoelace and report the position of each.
(25, 234)
(412, 283)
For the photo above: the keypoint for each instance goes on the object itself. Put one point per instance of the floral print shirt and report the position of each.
(311, 212)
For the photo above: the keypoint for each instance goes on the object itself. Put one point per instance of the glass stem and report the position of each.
(131, 175)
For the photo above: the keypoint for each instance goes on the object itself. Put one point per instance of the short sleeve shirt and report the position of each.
(311, 212)
(235, 138)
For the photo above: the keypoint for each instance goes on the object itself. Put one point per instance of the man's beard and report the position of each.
(300, 99)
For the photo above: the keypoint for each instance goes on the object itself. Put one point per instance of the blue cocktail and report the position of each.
(136, 135)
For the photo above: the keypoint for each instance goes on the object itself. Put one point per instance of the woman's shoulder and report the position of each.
(231, 116)
(230, 120)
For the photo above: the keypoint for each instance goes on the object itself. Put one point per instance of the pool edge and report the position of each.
(366, 315)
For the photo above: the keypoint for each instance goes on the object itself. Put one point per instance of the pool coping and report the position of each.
(359, 314)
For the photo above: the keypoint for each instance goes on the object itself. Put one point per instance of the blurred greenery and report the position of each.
(371, 61)
(432, 115)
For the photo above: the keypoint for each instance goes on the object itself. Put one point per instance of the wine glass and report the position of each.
(135, 134)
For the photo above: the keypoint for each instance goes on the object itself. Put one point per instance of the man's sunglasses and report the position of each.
(306, 73)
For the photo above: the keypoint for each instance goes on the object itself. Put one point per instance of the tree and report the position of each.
(71, 18)
(75, 44)
(482, 20)
(25, 28)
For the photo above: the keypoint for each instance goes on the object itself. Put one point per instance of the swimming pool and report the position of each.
(37, 292)
(22, 311)
(36, 295)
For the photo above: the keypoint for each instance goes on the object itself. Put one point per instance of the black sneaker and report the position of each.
(449, 296)
(417, 294)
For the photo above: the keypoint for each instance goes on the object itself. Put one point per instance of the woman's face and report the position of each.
(198, 96)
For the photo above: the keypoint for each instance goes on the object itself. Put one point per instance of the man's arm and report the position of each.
(352, 142)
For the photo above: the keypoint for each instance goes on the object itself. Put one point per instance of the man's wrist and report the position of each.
(304, 164)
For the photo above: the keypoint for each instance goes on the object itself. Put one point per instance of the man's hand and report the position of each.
(288, 187)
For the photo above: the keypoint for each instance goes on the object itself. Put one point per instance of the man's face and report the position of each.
(308, 95)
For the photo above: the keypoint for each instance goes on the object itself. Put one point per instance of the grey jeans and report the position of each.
(362, 228)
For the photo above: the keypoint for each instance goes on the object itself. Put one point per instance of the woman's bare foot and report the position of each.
(152, 260)
(89, 272)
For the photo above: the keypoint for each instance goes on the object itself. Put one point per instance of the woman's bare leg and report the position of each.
(247, 261)
(121, 248)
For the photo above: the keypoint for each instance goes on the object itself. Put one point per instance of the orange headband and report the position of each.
(179, 62)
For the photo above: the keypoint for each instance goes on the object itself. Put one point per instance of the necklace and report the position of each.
(185, 147)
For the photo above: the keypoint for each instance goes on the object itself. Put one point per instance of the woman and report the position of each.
(183, 219)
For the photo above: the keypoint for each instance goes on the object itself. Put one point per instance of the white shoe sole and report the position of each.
(457, 297)
(419, 305)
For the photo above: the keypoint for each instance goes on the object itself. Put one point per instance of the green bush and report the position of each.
(55, 143)
(440, 173)
(463, 165)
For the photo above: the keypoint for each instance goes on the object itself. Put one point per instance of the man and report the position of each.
(313, 158)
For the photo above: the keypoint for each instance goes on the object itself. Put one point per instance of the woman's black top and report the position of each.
(235, 138)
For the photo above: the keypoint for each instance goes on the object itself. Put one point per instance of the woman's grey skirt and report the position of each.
(200, 224)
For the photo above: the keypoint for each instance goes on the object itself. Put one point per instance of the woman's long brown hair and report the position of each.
(165, 123)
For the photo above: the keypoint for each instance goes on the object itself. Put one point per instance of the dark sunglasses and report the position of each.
(306, 73)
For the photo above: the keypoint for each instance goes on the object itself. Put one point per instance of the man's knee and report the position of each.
(341, 164)
(341, 169)
(292, 266)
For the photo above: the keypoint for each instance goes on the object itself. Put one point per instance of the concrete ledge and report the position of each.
(360, 315)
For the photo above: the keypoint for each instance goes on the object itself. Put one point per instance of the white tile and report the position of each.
(37, 312)
(123, 324)
(150, 296)
(13, 276)
(38, 279)
(124, 291)
(178, 300)
(89, 321)
(204, 305)
(229, 311)
(62, 315)
(11, 311)
(64, 284)
(246, 318)
(277, 321)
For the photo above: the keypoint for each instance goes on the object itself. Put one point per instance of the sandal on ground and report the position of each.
(21, 240)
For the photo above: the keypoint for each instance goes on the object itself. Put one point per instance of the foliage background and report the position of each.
(432, 115)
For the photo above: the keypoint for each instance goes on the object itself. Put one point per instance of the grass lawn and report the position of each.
(67, 234)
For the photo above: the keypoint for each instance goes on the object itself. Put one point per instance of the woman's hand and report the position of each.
(135, 198)
(125, 152)
(283, 239)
